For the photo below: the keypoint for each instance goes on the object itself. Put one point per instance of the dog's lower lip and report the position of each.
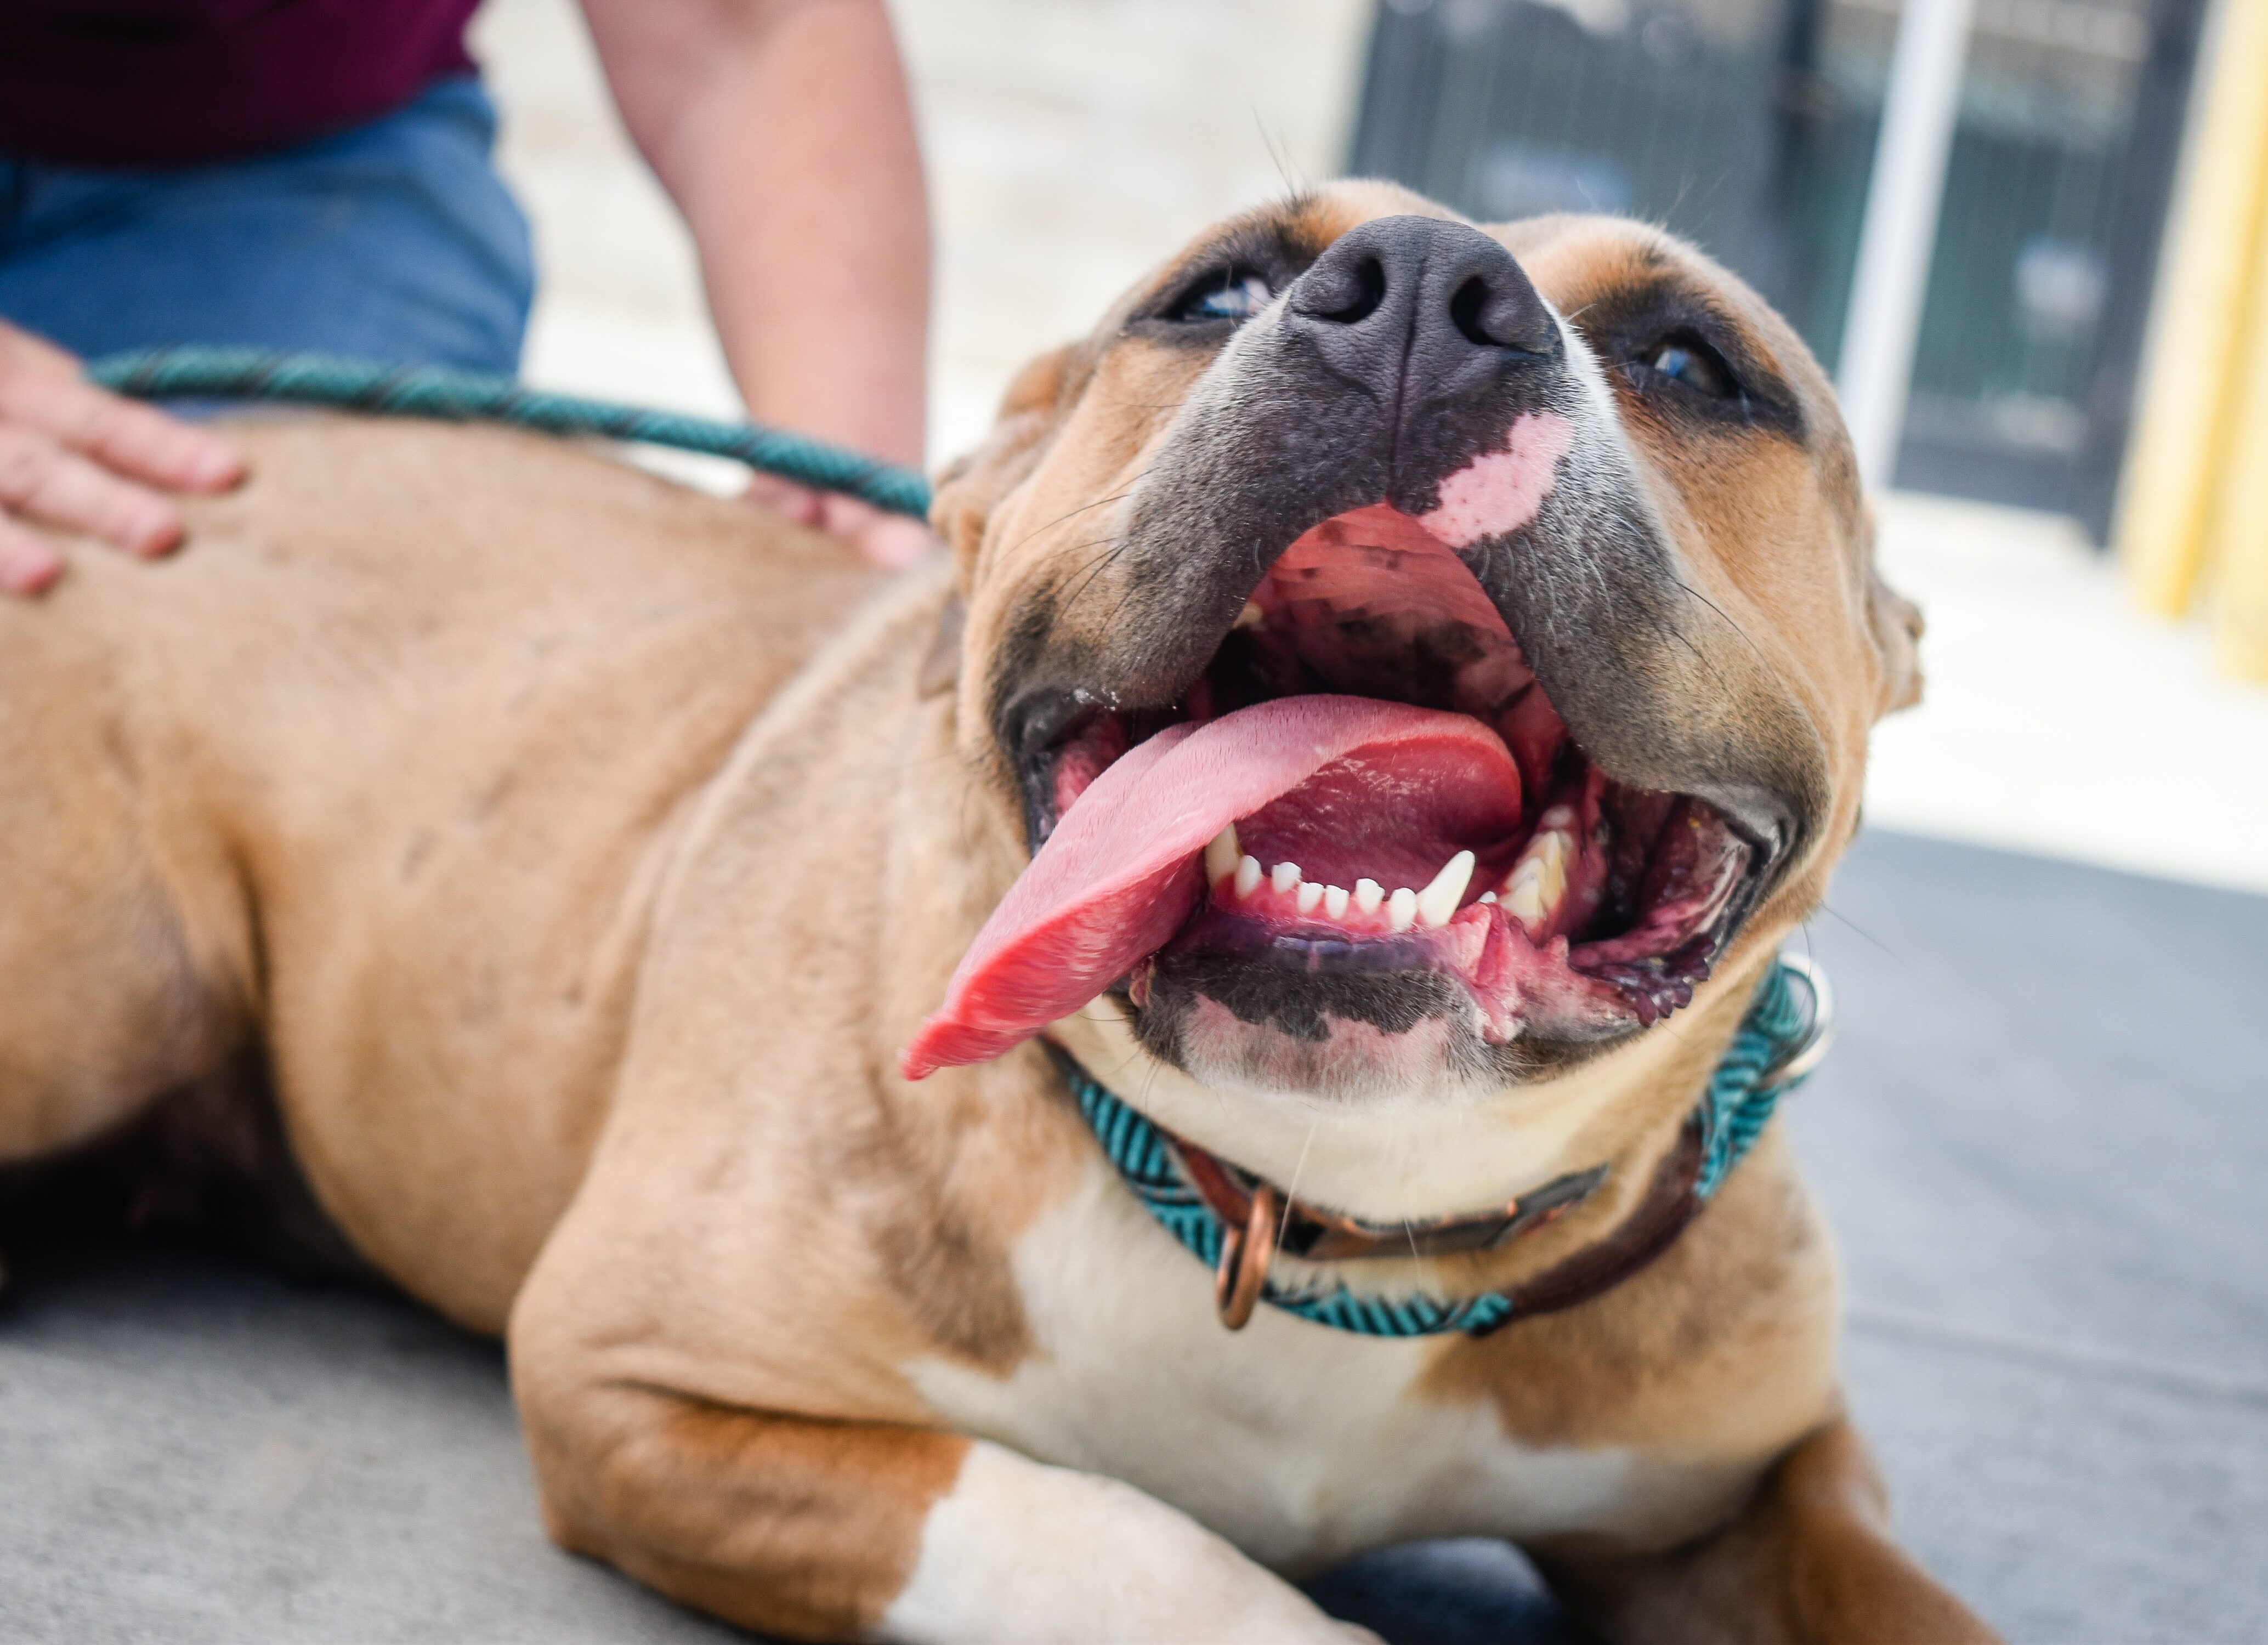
(1311, 949)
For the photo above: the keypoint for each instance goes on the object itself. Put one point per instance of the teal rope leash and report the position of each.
(1782, 1038)
(433, 391)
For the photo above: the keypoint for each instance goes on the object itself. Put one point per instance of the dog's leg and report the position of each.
(826, 1530)
(1809, 1562)
(110, 992)
(1018, 1550)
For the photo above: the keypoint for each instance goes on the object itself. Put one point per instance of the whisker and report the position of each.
(1826, 907)
(1291, 1191)
(1100, 502)
(1093, 569)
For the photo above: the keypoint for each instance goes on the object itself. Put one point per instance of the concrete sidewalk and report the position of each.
(2040, 1139)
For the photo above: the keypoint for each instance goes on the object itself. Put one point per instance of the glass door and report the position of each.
(1748, 126)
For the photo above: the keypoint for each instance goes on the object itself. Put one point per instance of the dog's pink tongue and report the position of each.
(1122, 869)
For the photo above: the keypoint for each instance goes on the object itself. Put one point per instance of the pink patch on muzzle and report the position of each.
(1500, 491)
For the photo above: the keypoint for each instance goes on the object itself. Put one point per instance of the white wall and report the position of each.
(1071, 144)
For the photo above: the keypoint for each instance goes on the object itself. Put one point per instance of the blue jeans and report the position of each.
(395, 240)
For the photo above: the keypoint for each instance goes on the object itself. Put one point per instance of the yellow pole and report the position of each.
(2211, 273)
(2237, 545)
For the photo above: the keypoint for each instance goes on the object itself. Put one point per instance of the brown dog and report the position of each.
(582, 857)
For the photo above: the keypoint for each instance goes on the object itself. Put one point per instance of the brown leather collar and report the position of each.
(1236, 1221)
(1259, 1221)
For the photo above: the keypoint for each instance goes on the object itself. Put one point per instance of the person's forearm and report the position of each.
(782, 129)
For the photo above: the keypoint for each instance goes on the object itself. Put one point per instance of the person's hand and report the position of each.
(895, 542)
(79, 458)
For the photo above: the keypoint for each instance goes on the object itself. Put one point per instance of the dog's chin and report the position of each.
(1346, 1063)
(1338, 1024)
(1404, 1041)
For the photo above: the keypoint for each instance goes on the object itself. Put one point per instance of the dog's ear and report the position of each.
(1897, 627)
(971, 486)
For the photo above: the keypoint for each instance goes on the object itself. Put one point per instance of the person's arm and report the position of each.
(75, 457)
(782, 129)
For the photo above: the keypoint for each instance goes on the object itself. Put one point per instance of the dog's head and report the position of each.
(1419, 655)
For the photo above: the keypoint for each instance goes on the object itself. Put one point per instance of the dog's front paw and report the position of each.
(1020, 1551)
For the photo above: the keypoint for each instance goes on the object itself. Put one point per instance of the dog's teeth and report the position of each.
(1524, 897)
(1539, 879)
(1402, 908)
(1284, 876)
(1310, 894)
(1368, 894)
(1252, 616)
(1437, 902)
(1248, 876)
(1335, 901)
(1221, 855)
(1488, 896)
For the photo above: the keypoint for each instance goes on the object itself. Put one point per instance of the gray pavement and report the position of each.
(2042, 1140)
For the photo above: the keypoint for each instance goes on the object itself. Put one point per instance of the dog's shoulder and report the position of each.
(1722, 1347)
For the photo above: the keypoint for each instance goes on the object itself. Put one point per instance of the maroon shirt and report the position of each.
(179, 82)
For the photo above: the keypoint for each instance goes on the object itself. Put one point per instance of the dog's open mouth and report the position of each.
(1367, 777)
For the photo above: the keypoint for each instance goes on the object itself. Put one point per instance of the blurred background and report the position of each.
(2042, 1137)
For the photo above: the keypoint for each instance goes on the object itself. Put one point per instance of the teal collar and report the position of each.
(1234, 1223)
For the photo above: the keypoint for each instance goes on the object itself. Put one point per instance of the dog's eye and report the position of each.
(1235, 296)
(1693, 363)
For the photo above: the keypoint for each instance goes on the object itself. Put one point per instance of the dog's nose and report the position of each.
(1421, 293)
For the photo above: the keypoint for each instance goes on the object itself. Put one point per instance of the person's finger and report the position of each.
(138, 441)
(41, 481)
(798, 503)
(144, 442)
(28, 565)
(894, 542)
(22, 350)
